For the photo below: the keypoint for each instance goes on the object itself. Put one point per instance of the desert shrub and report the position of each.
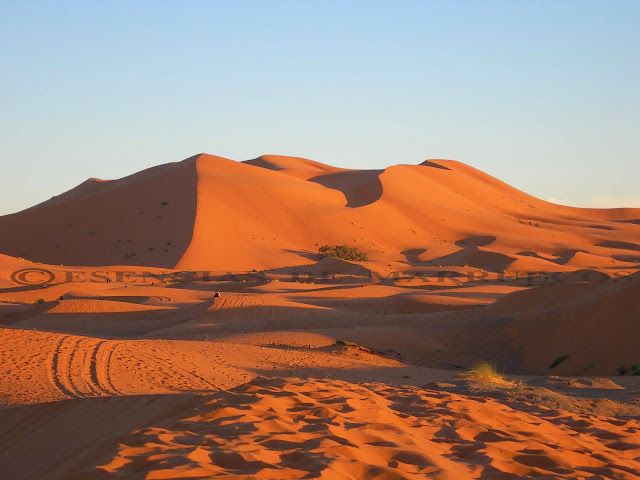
(487, 372)
(343, 252)
(39, 301)
(484, 369)
(558, 361)
(622, 370)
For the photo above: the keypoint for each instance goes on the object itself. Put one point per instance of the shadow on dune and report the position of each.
(92, 441)
(23, 288)
(619, 245)
(477, 241)
(428, 163)
(412, 256)
(21, 312)
(315, 256)
(263, 163)
(634, 221)
(309, 428)
(143, 219)
(108, 324)
(360, 187)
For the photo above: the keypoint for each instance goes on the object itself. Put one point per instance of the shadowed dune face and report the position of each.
(430, 163)
(620, 245)
(360, 188)
(144, 219)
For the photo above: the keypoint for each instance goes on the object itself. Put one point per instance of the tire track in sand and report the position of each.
(103, 374)
(80, 367)
(59, 366)
(90, 370)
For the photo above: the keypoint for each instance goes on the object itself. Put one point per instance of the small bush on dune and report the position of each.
(558, 361)
(487, 372)
(40, 301)
(485, 369)
(622, 370)
(343, 252)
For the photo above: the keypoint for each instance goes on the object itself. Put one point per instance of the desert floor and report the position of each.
(342, 378)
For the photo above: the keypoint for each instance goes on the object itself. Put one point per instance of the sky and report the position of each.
(544, 95)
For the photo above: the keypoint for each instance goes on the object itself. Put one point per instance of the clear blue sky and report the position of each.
(542, 94)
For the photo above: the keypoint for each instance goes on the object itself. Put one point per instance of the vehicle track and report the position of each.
(90, 370)
(79, 367)
(106, 368)
(59, 366)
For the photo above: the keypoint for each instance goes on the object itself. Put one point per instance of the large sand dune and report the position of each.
(209, 212)
(127, 365)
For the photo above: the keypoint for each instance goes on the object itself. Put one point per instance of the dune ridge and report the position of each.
(209, 212)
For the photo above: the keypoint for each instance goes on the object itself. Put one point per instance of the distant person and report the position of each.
(216, 295)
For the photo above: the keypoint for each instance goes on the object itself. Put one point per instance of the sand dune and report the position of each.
(272, 428)
(579, 328)
(209, 212)
(475, 257)
(593, 326)
(144, 219)
(118, 362)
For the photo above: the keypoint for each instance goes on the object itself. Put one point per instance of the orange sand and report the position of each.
(318, 368)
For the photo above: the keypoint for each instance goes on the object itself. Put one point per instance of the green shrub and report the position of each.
(558, 361)
(343, 252)
(39, 301)
(622, 370)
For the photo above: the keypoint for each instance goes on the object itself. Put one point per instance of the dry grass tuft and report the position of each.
(487, 372)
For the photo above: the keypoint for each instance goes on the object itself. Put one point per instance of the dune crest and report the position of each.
(209, 212)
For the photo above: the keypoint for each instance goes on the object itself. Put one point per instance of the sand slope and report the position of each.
(209, 212)
(271, 428)
(143, 219)
(594, 326)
